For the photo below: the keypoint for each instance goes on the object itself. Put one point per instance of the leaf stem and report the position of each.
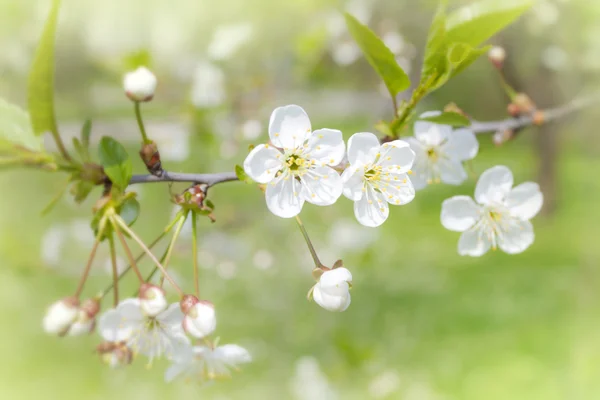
(311, 248)
(116, 225)
(169, 250)
(140, 122)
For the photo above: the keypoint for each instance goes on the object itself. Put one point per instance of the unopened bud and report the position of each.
(524, 103)
(199, 320)
(497, 55)
(151, 157)
(86, 318)
(60, 315)
(538, 118)
(152, 299)
(140, 84)
(513, 110)
(332, 290)
(114, 354)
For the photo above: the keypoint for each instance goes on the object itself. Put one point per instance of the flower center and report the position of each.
(432, 155)
(373, 173)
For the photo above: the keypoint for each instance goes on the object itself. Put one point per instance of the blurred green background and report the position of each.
(424, 322)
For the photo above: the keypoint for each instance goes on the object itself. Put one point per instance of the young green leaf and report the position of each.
(40, 85)
(81, 190)
(116, 162)
(86, 131)
(15, 127)
(241, 174)
(476, 23)
(379, 56)
(448, 118)
(130, 210)
(209, 204)
(435, 50)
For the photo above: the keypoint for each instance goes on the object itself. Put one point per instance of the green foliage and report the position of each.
(82, 146)
(81, 190)
(241, 174)
(448, 118)
(130, 210)
(15, 127)
(452, 41)
(379, 56)
(40, 85)
(116, 162)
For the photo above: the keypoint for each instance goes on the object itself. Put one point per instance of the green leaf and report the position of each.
(241, 174)
(130, 210)
(86, 131)
(116, 162)
(40, 85)
(81, 190)
(458, 57)
(476, 23)
(379, 56)
(15, 127)
(448, 118)
(209, 204)
(435, 50)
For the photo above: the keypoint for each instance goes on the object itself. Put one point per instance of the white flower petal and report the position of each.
(284, 196)
(111, 327)
(525, 200)
(451, 172)
(459, 213)
(329, 302)
(326, 146)
(429, 133)
(494, 185)
(398, 189)
(363, 148)
(262, 163)
(289, 126)
(462, 145)
(174, 370)
(353, 179)
(130, 310)
(372, 209)
(473, 242)
(172, 316)
(321, 186)
(516, 236)
(331, 279)
(232, 354)
(397, 154)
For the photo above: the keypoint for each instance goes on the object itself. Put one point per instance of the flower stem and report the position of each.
(113, 260)
(195, 254)
(167, 256)
(311, 248)
(86, 271)
(116, 225)
(138, 117)
(59, 143)
(125, 228)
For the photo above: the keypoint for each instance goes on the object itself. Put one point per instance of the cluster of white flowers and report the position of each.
(148, 325)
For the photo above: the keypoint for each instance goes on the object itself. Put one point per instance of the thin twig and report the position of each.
(88, 266)
(208, 179)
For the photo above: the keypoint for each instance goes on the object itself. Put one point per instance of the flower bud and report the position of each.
(151, 157)
(332, 292)
(85, 322)
(60, 315)
(524, 103)
(140, 84)
(513, 110)
(497, 55)
(199, 320)
(152, 300)
(114, 354)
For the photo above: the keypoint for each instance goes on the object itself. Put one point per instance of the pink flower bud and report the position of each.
(85, 322)
(199, 320)
(60, 315)
(140, 84)
(497, 55)
(152, 300)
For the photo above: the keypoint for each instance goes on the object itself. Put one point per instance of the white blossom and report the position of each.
(332, 291)
(140, 84)
(152, 336)
(85, 321)
(60, 315)
(297, 165)
(152, 300)
(114, 350)
(500, 218)
(440, 152)
(207, 363)
(200, 320)
(376, 176)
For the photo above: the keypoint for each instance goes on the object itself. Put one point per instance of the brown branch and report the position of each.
(478, 127)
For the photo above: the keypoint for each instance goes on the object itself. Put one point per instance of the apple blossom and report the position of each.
(140, 84)
(376, 176)
(297, 165)
(501, 217)
(332, 291)
(440, 152)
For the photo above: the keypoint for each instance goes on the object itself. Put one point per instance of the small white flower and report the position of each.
(501, 219)
(202, 362)
(377, 176)
(440, 152)
(114, 350)
(332, 291)
(200, 320)
(60, 315)
(140, 84)
(152, 336)
(152, 300)
(297, 166)
(86, 318)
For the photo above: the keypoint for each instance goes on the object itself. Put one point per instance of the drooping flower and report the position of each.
(151, 335)
(207, 363)
(376, 176)
(332, 291)
(501, 217)
(440, 152)
(199, 316)
(152, 300)
(297, 165)
(86, 318)
(60, 315)
(140, 84)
